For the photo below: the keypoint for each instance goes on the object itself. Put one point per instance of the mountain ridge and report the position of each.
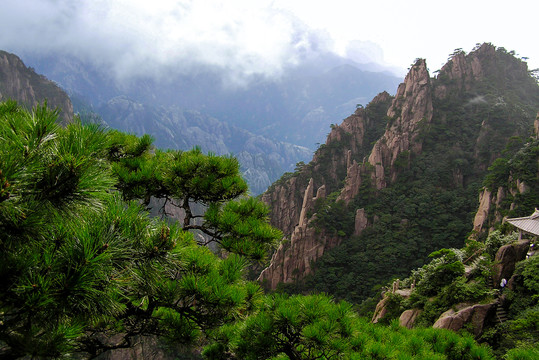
(23, 84)
(437, 137)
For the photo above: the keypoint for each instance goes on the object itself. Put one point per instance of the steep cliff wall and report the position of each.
(511, 186)
(350, 141)
(440, 135)
(291, 199)
(22, 84)
(294, 259)
(410, 111)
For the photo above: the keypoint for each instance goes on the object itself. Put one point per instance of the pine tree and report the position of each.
(81, 260)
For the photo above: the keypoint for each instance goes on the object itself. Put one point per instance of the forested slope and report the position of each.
(416, 192)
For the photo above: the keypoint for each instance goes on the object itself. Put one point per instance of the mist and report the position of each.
(154, 39)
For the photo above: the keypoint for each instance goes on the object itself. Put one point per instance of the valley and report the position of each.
(394, 230)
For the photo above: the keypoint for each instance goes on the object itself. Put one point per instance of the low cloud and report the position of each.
(151, 38)
(479, 99)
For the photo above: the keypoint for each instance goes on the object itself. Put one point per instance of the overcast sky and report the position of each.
(247, 37)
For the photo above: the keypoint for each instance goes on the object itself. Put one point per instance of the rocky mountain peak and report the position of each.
(441, 133)
(22, 84)
(410, 110)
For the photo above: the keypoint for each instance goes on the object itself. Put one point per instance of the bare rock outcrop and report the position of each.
(411, 109)
(361, 221)
(462, 70)
(492, 202)
(383, 305)
(22, 84)
(293, 260)
(481, 216)
(285, 199)
(506, 259)
(381, 310)
(291, 200)
(285, 205)
(145, 347)
(352, 183)
(408, 317)
(476, 315)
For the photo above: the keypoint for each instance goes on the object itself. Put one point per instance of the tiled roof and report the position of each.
(529, 224)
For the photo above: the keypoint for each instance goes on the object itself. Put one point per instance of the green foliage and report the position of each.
(393, 306)
(437, 274)
(496, 239)
(315, 327)
(432, 202)
(244, 225)
(525, 292)
(523, 353)
(441, 284)
(410, 219)
(461, 290)
(333, 216)
(79, 265)
(529, 270)
(516, 165)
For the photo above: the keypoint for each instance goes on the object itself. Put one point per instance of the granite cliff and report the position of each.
(511, 189)
(427, 151)
(20, 83)
(292, 199)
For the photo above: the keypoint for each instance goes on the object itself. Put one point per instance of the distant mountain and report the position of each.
(269, 124)
(23, 84)
(262, 160)
(297, 107)
(399, 178)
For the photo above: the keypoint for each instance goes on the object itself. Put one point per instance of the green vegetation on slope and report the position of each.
(434, 198)
(442, 285)
(82, 262)
(79, 264)
(314, 327)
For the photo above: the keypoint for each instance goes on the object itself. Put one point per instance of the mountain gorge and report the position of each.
(262, 159)
(97, 276)
(270, 124)
(386, 202)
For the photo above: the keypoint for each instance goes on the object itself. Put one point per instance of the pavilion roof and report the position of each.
(529, 224)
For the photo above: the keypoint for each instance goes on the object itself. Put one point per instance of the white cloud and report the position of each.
(244, 37)
(140, 37)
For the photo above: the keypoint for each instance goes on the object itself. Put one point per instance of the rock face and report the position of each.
(343, 143)
(361, 221)
(476, 315)
(481, 216)
(444, 115)
(22, 84)
(506, 259)
(411, 109)
(381, 310)
(285, 205)
(408, 318)
(382, 306)
(290, 200)
(294, 259)
(491, 201)
(462, 71)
